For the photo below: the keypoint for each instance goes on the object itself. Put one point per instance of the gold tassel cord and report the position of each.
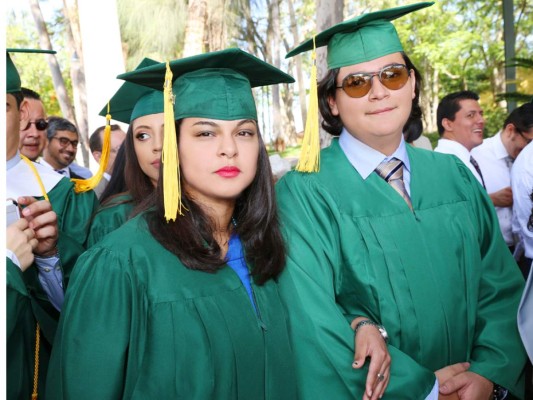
(84, 185)
(310, 153)
(169, 156)
(37, 328)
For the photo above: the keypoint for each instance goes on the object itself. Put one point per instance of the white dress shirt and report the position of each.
(448, 146)
(525, 316)
(495, 164)
(63, 171)
(522, 185)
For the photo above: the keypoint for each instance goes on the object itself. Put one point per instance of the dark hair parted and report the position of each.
(521, 118)
(327, 88)
(30, 94)
(190, 236)
(450, 104)
(138, 183)
(59, 124)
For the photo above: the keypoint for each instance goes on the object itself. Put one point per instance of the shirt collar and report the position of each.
(13, 161)
(499, 149)
(364, 158)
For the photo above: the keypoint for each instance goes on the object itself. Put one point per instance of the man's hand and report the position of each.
(448, 372)
(502, 198)
(20, 239)
(43, 221)
(468, 385)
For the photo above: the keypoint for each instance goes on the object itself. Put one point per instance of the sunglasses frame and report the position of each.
(36, 123)
(370, 79)
(66, 141)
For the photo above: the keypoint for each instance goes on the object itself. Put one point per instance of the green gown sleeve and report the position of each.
(97, 339)
(497, 338)
(20, 339)
(322, 339)
(109, 218)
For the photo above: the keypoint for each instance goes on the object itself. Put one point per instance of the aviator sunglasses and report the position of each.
(393, 77)
(40, 124)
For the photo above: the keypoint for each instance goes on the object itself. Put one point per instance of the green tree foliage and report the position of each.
(33, 69)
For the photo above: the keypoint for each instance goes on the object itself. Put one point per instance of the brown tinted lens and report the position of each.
(394, 77)
(356, 85)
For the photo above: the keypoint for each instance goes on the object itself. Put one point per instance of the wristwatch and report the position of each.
(380, 328)
(499, 393)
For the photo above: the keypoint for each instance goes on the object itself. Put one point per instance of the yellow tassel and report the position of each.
(310, 153)
(169, 156)
(84, 185)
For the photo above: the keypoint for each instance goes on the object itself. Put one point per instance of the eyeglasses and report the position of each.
(40, 124)
(393, 77)
(64, 142)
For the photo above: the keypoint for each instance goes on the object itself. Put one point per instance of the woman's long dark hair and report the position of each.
(139, 185)
(327, 88)
(190, 236)
(117, 183)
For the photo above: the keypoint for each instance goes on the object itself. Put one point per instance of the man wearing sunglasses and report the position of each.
(495, 157)
(62, 146)
(50, 211)
(33, 128)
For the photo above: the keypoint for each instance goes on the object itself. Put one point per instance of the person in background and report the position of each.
(33, 129)
(95, 144)
(53, 214)
(142, 108)
(495, 157)
(384, 236)
(62, 146)
(460, 123)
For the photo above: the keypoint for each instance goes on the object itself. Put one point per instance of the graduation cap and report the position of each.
(360, 39)
(132, 101)
(215, 85)
(129, 102)
(13, 83)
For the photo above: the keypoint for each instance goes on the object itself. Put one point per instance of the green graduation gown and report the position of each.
(27, 303)
(138, 324)
(110, 217)
(439, 278)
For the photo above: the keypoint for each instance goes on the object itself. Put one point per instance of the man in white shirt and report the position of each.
(460, 123)
(495, 157)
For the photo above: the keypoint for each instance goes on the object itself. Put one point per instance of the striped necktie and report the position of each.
(392, 172)
(476, 166)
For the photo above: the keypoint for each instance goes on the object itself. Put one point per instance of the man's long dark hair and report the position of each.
(327, 88)
(190, 236)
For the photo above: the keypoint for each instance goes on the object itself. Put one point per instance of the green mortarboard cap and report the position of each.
(360, 39)
(213, 85)
(12, 76)
(132, 101)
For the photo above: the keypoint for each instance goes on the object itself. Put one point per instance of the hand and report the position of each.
(502, 198)
(370, 343)
(43, 221)
(469, 386)
(448, 372)
(20, 239)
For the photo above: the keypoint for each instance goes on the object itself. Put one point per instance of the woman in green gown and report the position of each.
(418, 251)
(181, 302)
(138, 168)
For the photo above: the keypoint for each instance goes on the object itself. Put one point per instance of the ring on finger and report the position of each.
(381, 377)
